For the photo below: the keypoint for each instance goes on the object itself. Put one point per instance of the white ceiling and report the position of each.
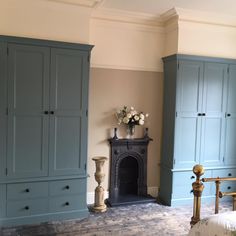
(158, 7)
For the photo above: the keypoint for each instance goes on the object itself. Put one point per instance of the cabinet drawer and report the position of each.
(27, 207)
(67, 187)
(182, 184)
(67, 203)
(228, 186)
(27, 190)
(224, 173)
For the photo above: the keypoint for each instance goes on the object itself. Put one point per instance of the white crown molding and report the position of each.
(205, 17)
(127, 17)
(180, 14)
(104, 23)
(170, 20)
(158, 68)
(84, 3)
(169, 15)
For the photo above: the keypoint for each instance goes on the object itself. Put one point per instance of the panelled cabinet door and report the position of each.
(68, 112)
(230, 147)
(3, 106)
(213, 119)
(28, 96)
(188, 123)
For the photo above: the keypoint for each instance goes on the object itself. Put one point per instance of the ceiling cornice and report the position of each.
(205, 17)
(174, 14)
(127, 17)
(84, 3)
(169, 15)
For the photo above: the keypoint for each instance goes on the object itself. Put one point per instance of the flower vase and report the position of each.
(130, 131)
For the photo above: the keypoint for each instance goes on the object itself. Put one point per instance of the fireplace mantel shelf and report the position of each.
(133, 141)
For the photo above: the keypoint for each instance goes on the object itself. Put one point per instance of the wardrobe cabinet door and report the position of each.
(188, 123)
(68, 111)
(230, 147)
(28, 96)
(3, 107)
(213, 120)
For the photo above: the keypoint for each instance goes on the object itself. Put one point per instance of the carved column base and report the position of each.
(99, 205)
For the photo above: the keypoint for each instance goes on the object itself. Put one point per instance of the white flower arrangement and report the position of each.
(130, 116)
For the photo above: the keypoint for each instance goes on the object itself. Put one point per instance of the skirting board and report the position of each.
(153, 191)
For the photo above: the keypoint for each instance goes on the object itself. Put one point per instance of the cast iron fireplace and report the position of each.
(128, 171)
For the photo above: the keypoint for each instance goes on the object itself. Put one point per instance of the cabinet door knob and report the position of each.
(26, 207)
(199, 114)
(52, 112)
(192, 177)
(67, 204)
(203, 114)
(229, 174)
(27, 190)
(67, 187)
(229, 187)
(45, 112)
(228, 114)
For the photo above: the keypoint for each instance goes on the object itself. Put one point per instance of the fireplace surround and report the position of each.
(128, 171)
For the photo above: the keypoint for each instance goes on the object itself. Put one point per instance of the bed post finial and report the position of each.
(198, 187)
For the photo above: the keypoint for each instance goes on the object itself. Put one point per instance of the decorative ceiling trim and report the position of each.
(158, 68)
(84, 3)
(206, 17)
(127, 17)
(169, 15)
(101, 23)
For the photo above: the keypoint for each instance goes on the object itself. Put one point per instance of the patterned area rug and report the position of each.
(143, 219)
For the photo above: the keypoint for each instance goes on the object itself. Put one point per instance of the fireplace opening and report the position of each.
(128, 176)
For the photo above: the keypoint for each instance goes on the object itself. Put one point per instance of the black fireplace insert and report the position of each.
(128, 171)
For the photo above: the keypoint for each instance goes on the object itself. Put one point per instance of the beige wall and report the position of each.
(44, 19)
(123, 45)
(207, 39)
(110, 89)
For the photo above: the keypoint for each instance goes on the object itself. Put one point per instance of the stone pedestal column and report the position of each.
(99, 205)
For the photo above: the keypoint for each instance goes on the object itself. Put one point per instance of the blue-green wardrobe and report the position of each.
(199, 124)
(43, 123)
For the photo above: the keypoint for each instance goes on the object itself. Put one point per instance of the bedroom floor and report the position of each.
(143, 219)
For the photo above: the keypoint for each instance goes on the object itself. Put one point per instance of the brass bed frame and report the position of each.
(198, 187)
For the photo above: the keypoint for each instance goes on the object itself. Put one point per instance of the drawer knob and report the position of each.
(67, 187)
(67, 204)
(229, 187)
(27, 190)
(229, 174)
(192, 177)
(26, 207)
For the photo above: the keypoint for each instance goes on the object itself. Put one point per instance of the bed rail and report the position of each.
(198, 187)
